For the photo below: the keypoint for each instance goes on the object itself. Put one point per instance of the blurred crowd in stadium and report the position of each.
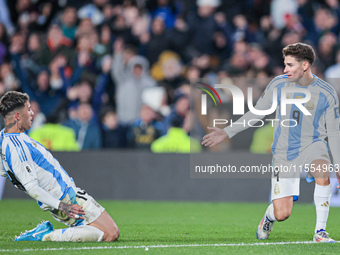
(116, 73)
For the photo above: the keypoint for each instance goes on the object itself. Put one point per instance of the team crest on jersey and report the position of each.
(276, 189)
(310, 104)
(34, 144)
(28, 169)
(3, 157)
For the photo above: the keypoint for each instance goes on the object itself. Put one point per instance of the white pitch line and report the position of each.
(160, 246)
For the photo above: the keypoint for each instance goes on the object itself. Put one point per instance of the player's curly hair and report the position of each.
(301, 52)
(12, 100)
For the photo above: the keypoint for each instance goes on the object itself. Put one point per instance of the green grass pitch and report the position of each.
(175, 228)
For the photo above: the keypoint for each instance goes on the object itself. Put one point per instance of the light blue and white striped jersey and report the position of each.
(24, 160)
(289, 140)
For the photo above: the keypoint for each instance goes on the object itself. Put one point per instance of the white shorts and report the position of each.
(92, 209)
(286, 180)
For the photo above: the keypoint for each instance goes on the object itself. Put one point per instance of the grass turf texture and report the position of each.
(175, 223)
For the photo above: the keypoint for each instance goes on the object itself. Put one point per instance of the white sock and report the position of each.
(270, 212)
(322, 197)
(83, 233)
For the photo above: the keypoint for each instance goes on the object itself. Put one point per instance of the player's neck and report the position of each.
(306, 80)
(12, 126)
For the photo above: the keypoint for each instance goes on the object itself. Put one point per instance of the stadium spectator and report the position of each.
(242, 32)
(3, 46)
(176, 140)
(85, 126)
(54, 136)
(103, 47)
(145, 129)
(323, 21)
(169, 72)
(157, 99)
(179, 38)
(5, 19)
(93, 11)
(55, 44)
(334, 70)
(202, 27)
(179, 109)
(68, 22)
(167, 9)
(33, 46)
(157, 42)
(130, 82)
(114, 135)
(327, 50)
(280, 9)
(49, 99)
(27, 55)
(7, 78)
(40, 20)
(85, 92)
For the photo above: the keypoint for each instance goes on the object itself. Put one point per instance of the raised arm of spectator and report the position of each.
(5, 17)
(21, 72)
(101, 84)
(69, 82)
(335, 8)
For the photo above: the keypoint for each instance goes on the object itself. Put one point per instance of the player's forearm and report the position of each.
(42, 195)
(241, 124)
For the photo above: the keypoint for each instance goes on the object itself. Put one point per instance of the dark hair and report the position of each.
(105, 110)
(177, 122)
(12, 100)
(300, 51)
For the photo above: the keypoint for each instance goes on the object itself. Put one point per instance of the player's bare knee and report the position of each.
(282, 215)
(111, 235)
(115, 234)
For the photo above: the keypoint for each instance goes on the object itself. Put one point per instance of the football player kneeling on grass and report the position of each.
(33, 169)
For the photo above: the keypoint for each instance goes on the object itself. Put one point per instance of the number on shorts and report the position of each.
(81, 193)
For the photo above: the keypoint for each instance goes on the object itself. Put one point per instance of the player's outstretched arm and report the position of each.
(72, 210)
(215, 137)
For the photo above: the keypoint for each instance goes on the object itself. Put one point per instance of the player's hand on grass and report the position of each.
(215, 137)
(72, 210)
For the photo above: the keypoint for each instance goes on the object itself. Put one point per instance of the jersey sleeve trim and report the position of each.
(276, 81)
(19, 148)
(328, 88)
(9, 158)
